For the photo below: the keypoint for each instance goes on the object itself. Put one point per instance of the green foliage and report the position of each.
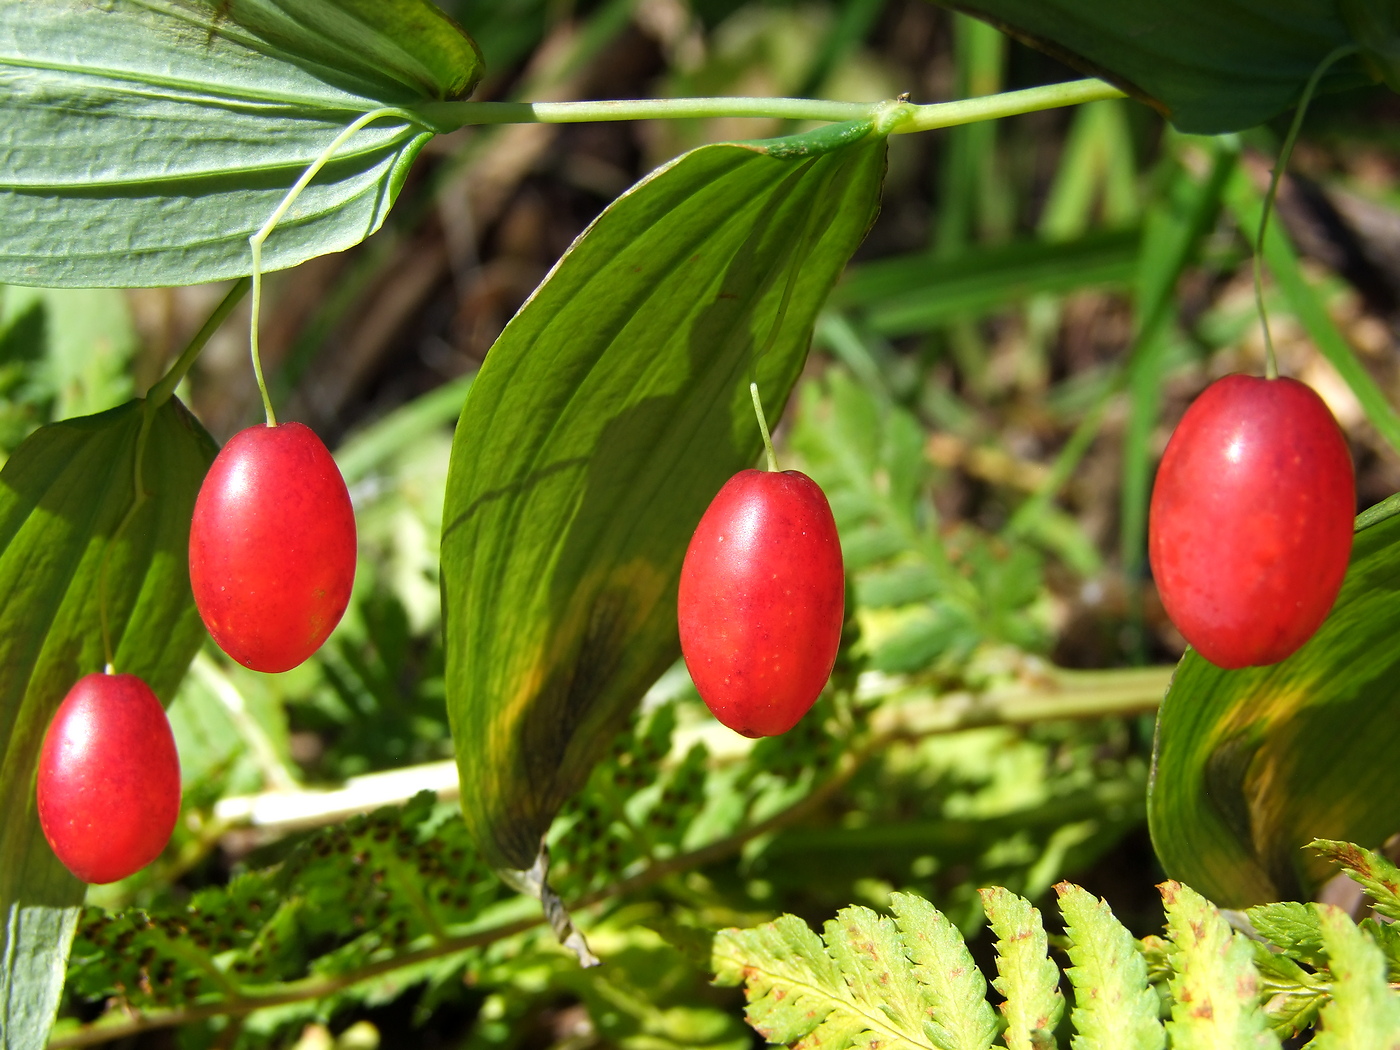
(1028, 982)
(608, 413)
(927, 601)
(342, 900)
(1377, 875)
(861, 982)
(1215, 988)
(155, 137)
(1364, 1013)
(64, 496)
(63, 353)
(1253, 764)
(1208, 69)
(1114, 1007)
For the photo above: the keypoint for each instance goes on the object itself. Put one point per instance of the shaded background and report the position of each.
(986, 318)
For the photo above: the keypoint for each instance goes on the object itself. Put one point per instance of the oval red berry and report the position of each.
(272, 547)
(108, 787)
(1251, 520)
(762, 598)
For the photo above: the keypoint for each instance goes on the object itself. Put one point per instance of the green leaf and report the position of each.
(1028, 979)
(1115, 1009)
(607, 415)
(1377, 875)
(1292, 995)
(954, 989)
(1364, 1013)
(1251, 765)
(1215, 988)
(1290, 926)
(62, 495)
(1207, 67)
(870, 981)
(146, 140)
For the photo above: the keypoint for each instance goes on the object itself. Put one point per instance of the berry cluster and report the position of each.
(272, 561)
(1249, 537)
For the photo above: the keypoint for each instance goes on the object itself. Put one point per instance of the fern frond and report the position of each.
(1215, 990)
(874, 982)
(1379, 877)
(1115, 1009)
(1364, 1013)
(1027, 978)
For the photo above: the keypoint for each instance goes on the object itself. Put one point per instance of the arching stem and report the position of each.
(255, 242)
(164, 388)
(1270, 360)
(763, 426)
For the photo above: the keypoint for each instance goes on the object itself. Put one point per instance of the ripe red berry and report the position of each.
(108, 788)
(1251, 520)
(762, 597)
(272, 547)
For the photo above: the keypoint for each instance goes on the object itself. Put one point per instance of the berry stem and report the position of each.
(1281, 165)
(255, 242)
(763, 426)
(164, 388)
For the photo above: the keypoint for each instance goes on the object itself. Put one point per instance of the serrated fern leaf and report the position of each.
(1115, 1009)
(873, 982)
(1027, 978)
(1379, 877)
(954, 989)
(1215, 989)
(873, 959)
(1290, 926)
(1364, 1013)
(797, 991)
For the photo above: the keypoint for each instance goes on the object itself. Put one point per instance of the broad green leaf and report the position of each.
(868, 982)
(606, 417)
(954, 989)
(1027, 978)
(1115, 1009)
(62, 495)
(1207, 67)
(145, 140)
(1215, 988)
(1376, 875)
(1251, 765)
(1364, 1013)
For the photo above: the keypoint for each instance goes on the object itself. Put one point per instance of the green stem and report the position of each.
(255, 242)
(902, 117)
(162, 391)
(763, 426)
(1270, 361)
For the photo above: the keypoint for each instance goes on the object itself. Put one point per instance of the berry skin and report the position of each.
(1251, 520)
(762, 598)
(272, 547)
(108, 788)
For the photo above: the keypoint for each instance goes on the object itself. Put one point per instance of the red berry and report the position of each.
(1251, 520)
(108, 788)
(272, 547)
(761, 602)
